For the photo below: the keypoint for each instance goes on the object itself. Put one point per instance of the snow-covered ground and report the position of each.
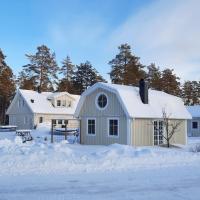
(41, 170)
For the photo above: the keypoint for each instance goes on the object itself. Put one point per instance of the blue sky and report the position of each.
(164, 32)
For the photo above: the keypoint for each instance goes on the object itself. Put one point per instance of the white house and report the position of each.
(111, 113)
(194, 123)
(29, 108)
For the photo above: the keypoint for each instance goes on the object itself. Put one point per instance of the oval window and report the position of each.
(102, 101)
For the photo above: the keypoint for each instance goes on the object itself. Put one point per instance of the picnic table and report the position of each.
(8, 128)
(25, 134)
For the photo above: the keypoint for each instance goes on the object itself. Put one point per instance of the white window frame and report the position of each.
(197, 125)
(96, 101)
(91, 118)
(158, 134)
(108, 127)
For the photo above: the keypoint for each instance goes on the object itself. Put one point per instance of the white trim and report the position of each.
(186, 134)
(194, 129)
(129, 131)
(108, 127)
(91, 118)
(96, 101)
(163, 139)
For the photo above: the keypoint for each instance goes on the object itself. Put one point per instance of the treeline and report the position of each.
(43, 73)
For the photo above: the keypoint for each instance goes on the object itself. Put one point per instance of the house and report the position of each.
(194, 123)
(112, 113)
(29, 108)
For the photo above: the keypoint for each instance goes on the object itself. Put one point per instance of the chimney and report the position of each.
(143, 88)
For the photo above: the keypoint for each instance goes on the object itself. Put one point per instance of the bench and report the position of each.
(8, 128)
(25, 134)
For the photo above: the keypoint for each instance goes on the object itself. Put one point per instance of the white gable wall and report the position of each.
(20, 114)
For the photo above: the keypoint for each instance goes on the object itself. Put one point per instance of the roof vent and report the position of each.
(32, 100)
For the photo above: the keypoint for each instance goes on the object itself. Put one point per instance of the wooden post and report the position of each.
(52, 130)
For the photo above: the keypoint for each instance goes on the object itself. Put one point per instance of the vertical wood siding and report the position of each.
(142, 134)
(113, 109)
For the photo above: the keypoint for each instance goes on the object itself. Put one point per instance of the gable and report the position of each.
(113, 107)
(19, 105)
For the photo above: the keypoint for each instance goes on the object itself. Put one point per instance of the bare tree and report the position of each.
(169, 127)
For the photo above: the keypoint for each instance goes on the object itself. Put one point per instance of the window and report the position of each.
(113, 127)
(158, 132)
(194, 125)
(58, 102)
(91, 126)
(23, 102)
(40, 119)
(60, 121)
(102, 101)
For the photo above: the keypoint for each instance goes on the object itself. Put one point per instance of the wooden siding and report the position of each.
(191, 131)
(113, 109)
(21, 115)
(142, 134)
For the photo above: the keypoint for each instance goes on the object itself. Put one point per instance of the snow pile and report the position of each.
(63, 158)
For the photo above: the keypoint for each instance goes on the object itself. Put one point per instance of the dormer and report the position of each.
(61, 100)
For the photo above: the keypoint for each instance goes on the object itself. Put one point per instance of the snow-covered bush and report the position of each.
(195, 148)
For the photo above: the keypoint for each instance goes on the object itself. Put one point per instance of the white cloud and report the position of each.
(167, 33)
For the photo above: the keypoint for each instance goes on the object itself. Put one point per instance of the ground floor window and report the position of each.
(91, 129)
(158, 132)
(113, 127)
(194, 125)
(40, 119)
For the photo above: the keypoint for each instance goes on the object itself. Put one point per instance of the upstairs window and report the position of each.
(101, 101)
(194, 125)
(58, 102)
(113, 125)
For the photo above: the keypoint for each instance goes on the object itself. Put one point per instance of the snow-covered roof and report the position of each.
(41, 103)
(131, 102)
(194, 110)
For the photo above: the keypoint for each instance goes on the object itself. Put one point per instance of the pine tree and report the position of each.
(67, 70)
(42, 69)
(125, 67)
(7, 86)
(170, 82)
(85, 76)
(154, 76)
(187, 92)
(190, 93)
(26, 82)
